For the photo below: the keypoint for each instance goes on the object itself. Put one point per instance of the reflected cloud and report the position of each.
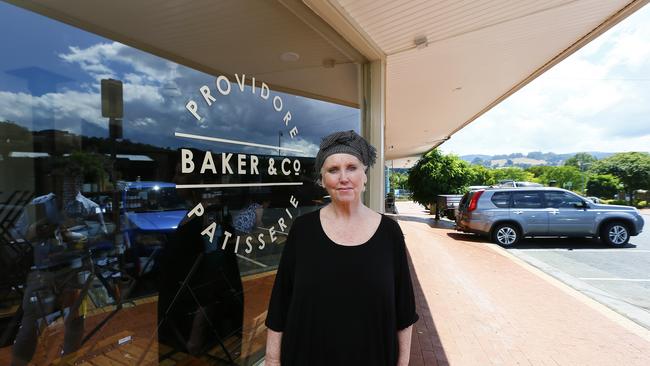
(155, 94)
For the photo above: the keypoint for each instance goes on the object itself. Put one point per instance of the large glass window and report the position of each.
(161, 240)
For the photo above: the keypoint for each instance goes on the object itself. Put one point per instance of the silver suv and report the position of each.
(508, 214)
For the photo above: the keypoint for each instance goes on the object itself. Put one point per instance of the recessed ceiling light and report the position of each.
(329, 63)
(421, 42)
(290, 57)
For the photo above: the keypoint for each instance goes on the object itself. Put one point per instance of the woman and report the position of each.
(343, 293)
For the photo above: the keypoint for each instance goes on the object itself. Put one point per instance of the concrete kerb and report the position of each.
(571, 286)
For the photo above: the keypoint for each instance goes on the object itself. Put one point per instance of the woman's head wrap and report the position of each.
(345, 142)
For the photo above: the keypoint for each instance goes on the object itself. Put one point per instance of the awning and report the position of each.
(471, 54)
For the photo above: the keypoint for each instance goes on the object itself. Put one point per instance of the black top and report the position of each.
(341, 305)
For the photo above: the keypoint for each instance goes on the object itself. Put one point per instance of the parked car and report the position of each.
(515, 184)
(507, 215)
(446, 205)
(152, 210)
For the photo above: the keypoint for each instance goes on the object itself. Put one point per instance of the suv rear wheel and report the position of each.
(507, 235)
(615, 234)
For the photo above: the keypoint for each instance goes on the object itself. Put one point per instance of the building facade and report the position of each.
(146, 199)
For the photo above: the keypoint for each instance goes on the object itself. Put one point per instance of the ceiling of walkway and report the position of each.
(476, 54)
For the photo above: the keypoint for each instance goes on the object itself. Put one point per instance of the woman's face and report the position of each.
(343, 177)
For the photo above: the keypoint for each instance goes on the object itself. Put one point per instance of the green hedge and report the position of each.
(638, 204)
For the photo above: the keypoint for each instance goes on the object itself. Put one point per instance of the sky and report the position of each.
(597, 99)
(50, 79)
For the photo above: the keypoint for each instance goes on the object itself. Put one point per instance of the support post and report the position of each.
(372, 128)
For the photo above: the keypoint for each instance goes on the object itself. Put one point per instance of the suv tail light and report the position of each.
(474, 201)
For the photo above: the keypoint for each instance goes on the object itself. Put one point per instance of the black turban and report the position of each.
(345, 142)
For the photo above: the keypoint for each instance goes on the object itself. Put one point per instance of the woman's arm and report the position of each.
(273, 341)
(404, 342)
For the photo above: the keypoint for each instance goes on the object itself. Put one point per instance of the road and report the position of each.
(619, 278)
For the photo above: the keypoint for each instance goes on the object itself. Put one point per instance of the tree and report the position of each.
(436, 174)
(631, 168)
(602, 185)
(538, 170)
(568, 177)
(481, 176)
(583, 161)
(398, 180)
(516, 174)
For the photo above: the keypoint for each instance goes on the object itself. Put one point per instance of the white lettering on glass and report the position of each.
(208, 163)
(187, 165)
(284, 171)
(205, 91)
(219, 84)
(241, 82)
(225, 163)
(209, 231)
(277, 103)
(197, 210)
(193, 108)
(241, 164)
(265, 92)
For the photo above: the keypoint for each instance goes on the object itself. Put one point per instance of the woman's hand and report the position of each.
(273, 341)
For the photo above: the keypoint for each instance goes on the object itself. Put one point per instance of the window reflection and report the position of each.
(98, 256)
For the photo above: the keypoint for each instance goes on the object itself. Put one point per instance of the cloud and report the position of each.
(308, 148)
(595, 100)
(155, 93)
(91, 59)
(59, 108)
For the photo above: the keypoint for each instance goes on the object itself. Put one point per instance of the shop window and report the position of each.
(92, 225)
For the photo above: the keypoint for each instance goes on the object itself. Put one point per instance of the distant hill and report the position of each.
(525, 160)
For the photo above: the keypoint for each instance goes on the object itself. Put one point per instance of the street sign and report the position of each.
(112, 106)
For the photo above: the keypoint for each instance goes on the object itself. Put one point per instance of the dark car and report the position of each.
(152, 210)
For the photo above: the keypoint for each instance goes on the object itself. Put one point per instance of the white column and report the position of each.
(372, 129)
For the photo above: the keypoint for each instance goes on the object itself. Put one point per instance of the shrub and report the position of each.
(602, 185)
(615, 202)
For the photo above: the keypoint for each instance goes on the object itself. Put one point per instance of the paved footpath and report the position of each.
(479, 305)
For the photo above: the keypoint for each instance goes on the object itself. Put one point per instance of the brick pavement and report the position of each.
(480, 306)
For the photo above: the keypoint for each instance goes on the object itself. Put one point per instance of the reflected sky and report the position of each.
(50, 79)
